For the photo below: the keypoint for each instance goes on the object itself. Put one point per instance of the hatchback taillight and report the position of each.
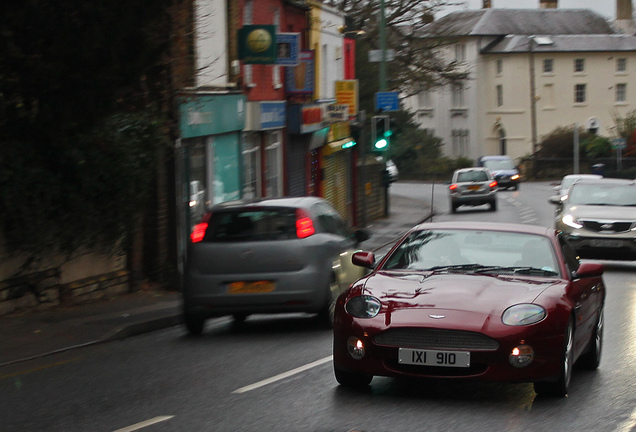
(453, 186)
(304, 224)
(493, 184)
(198, 232)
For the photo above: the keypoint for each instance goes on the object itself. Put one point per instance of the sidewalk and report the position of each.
(29, 335)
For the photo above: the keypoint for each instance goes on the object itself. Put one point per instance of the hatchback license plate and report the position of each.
(251, 287)
(434, 358)
(473, 187)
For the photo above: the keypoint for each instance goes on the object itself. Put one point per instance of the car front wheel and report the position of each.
(559, 388)
(351, 379)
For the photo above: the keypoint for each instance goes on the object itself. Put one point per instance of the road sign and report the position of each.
(387, 101)
(619, 143)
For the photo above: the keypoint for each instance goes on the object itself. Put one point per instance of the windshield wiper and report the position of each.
(518, 270)
(461, 267)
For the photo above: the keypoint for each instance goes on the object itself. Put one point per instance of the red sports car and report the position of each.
(499, 302)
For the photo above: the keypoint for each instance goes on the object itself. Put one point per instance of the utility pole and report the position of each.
(382, 47)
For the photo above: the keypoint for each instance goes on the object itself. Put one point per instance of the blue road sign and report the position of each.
(387, 101)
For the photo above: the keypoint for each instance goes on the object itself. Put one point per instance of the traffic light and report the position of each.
(381, 133)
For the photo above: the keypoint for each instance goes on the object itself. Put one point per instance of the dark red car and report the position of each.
(498, 302)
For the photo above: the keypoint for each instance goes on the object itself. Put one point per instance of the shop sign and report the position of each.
(211, 115)
(347, 94)
(300, 79)
(337, 113)
(257, 44)
(311, 118)
(287, 48)
(338, 131)
(272, 115)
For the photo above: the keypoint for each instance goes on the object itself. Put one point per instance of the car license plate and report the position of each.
(251, 287)
(606, 243)
(473, 187)
(434, 358)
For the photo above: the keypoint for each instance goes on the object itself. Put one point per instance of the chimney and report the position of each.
(487, 4)
(624, 20)
(548, 4)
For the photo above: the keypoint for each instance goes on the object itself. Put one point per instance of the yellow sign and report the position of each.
(347, 94)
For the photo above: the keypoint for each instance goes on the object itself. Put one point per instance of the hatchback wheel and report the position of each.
(591, 359)
(327, 313)
(194, 323)
(559, 388)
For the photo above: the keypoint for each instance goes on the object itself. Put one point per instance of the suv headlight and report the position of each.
(523, 314)
(569, 220)
(363, 306)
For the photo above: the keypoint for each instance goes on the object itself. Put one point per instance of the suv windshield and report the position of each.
(611, 195)
(499, 164)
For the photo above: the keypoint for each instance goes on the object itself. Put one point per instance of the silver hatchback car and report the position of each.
(474, 187)
(268, 256)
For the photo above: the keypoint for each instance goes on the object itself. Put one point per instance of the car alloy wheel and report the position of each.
(591, 359)
(560, 387)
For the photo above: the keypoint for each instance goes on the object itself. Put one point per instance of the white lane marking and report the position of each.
(283, 375)
(144, 424)
(629, 424)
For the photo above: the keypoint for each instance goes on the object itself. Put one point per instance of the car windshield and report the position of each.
(492, 252)
(499, 164)
(603, 195)
(252, 225)
(472, 176)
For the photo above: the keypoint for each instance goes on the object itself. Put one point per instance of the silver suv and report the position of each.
(598, 217)
(473, 187)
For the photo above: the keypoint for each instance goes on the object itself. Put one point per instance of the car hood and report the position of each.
(465, 301)
(624, 213)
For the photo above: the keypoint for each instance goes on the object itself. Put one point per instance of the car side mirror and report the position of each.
(363, 259)
(556, 200)
(589, 270)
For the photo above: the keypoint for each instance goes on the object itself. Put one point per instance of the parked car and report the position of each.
(473, 187)
(503, 169)
(599, 218)
(567, 181)
(268, 256)
(197, 200)
(480, 301)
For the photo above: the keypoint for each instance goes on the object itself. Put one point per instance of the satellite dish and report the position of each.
(593, 123)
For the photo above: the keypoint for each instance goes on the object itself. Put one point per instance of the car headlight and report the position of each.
(523, 314)
(363, 306)
(569, 220)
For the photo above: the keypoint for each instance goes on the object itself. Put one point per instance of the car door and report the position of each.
(586, 294)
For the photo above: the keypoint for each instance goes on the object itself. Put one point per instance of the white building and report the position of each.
(531, 71)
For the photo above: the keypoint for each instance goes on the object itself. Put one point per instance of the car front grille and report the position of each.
(425, 338)
(607, 226)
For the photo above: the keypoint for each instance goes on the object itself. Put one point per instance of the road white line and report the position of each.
(628, 425)
(144, 424)
(283, 375)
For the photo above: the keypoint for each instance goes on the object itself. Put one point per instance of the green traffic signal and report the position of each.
(380, 132)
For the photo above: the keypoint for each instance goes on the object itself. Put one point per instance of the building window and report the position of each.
(458, 95)
(621, 65)
(548, 66)
(424, 99)
(499, 95)
(499, 66)
(579, 93)
(579, 65)
(460, 142)
(251, 165)
(460, 52)
(621, 92)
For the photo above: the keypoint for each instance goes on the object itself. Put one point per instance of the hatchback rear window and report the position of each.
(472, 176)
(252, 225)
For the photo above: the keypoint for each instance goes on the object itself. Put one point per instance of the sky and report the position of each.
(606, 8)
